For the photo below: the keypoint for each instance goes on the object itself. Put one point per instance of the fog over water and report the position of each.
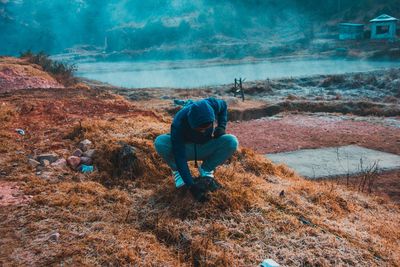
(154, 74)
(150, 29)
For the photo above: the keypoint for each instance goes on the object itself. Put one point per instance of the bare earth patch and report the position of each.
(293, 132)
(11, 194)
(18, 74)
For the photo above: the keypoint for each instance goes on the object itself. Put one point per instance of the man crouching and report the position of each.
(193, 137)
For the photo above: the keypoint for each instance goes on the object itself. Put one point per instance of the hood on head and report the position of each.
(200, 113)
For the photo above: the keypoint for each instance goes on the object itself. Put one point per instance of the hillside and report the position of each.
(178, 29)
(58, 216)
(20, 74)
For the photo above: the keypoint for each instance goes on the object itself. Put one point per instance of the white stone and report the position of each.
(33, 163)
(85, 145)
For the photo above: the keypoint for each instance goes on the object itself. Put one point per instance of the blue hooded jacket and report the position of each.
(182, 129)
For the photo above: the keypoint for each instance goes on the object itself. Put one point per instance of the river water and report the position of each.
(192, 74)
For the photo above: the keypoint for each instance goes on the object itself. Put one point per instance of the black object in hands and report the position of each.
(209, 183)
(199, 192)
(219, 131)
(202, 186)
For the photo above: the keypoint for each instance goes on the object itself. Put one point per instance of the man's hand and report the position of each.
(198, 192)
(219, 131)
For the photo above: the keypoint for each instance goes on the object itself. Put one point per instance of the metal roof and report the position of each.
(383, 18)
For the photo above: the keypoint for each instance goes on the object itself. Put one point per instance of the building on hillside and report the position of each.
(351, 31)
(383, 27)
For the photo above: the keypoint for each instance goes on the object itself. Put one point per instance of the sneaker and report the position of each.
(204, 173)
(178, 179)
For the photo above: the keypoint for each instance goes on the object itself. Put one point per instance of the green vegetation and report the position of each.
(61, 71)
(204, 27)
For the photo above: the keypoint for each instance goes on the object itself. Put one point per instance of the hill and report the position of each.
(178, 29)
(20, 74)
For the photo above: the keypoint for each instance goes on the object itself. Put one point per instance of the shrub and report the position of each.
(61, 71)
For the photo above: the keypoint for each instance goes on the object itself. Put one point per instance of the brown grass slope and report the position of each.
(146, 222)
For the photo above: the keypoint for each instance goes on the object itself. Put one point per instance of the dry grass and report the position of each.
(61, 71)
(147, 222)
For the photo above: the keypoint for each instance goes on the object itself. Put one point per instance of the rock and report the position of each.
(61, 164)
(86, 161)
(40, 168)
(77, 153)
(54, 237)
(51, 157)
(74, 162)
(1, 197)
(90, 153)
(46, 163)
(85, 144)
(33, 163)
(49, 176)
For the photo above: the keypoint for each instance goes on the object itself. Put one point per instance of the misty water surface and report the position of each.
(184, 75)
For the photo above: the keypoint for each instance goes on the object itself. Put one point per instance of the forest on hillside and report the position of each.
(53, 26)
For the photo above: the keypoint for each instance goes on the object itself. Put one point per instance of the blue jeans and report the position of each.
(213, 153)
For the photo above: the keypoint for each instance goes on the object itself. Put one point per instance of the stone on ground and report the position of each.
(61, 163)
(90, 153)
(85, 145)
(51, 157)
(33, 163)
(336, 161)
(86, 161)
(74, 162)
(77, 153)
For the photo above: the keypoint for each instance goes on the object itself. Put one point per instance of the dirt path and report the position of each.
(293, 132)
